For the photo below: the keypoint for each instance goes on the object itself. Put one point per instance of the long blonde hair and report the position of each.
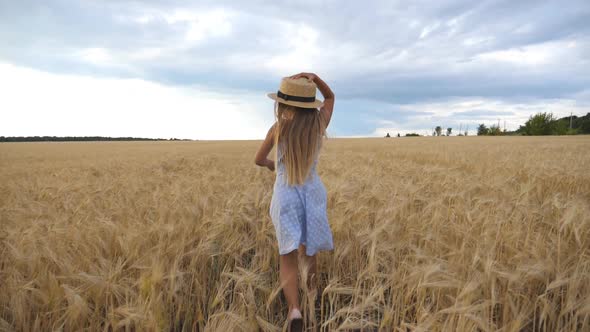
(300, 131)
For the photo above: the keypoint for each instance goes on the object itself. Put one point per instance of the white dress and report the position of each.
(299, 213)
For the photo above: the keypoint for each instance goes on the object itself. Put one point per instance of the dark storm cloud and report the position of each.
(431, 35)
(393, 53)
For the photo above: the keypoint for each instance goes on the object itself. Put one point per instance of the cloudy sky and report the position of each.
(202, 70)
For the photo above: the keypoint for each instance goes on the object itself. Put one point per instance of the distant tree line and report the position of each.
(438, 132)
(543, 123)
(79, 138)
(493, 130)
(407, 135)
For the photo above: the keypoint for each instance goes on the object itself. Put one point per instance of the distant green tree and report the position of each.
(412, 134)
(546, 124)
(438, 130)
(494, 130)
(561, 128)
(540, 124)
(449, 130)
(584, 124)
(482, 130)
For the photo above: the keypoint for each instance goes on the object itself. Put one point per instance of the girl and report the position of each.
(298, 204)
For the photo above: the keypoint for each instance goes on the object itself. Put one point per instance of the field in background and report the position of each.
(430, 234)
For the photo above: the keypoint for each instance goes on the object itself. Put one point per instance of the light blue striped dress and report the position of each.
(299, 213)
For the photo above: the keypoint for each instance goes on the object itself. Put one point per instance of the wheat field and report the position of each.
(430, 234)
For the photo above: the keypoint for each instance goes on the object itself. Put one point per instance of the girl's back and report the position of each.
(298, 206)
(299, 212)
(281, 173)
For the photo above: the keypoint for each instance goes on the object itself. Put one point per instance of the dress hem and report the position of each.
(313, 253)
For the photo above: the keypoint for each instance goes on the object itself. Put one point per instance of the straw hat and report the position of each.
(297, 92)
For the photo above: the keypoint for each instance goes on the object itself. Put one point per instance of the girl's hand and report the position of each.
(271, 165)
(328, 105)
(309, 76)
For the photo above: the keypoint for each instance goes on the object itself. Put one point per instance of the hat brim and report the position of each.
(315, 104)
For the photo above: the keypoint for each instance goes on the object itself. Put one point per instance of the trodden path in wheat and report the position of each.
(430, 234)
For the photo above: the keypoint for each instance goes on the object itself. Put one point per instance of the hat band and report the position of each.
(295, 98)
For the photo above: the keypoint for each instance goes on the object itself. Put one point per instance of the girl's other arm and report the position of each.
(328, 106)
(262, 154)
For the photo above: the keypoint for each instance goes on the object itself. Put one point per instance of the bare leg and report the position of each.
(310, 282)
(288, 275)
(312, 272)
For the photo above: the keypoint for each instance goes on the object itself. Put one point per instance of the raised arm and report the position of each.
(262, 154)
(328, 106)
